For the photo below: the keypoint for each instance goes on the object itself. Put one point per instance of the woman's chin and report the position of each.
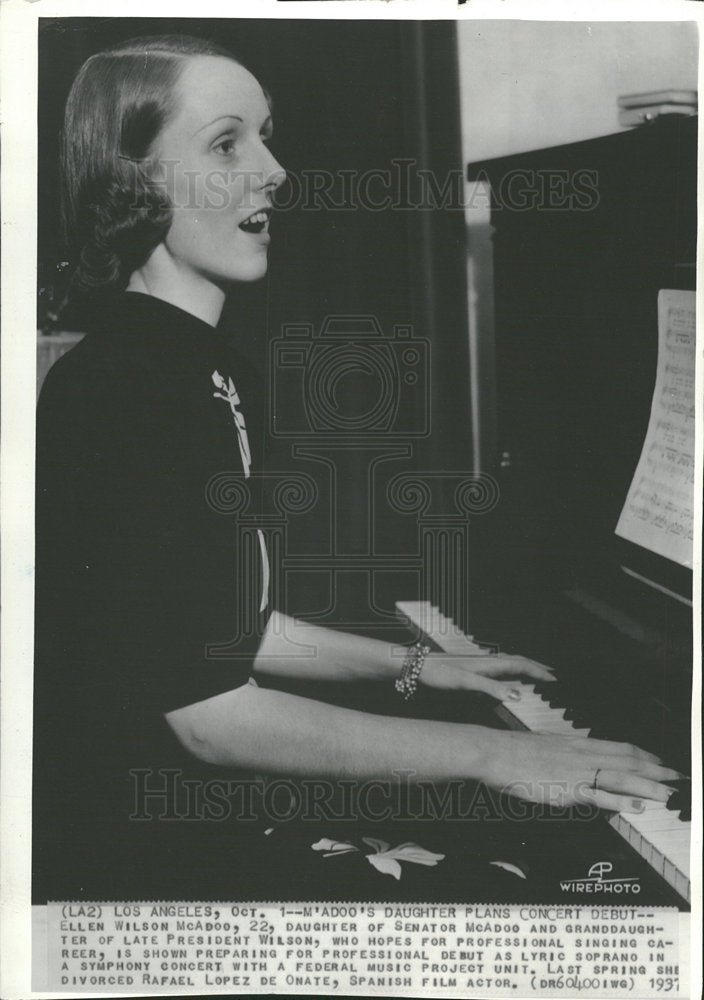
(253, 270)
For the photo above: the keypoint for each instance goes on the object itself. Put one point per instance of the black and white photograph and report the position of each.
(364, 517)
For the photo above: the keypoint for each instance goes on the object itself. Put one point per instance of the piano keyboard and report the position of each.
(659, 835)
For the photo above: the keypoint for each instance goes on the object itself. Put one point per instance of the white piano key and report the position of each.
(528, 705)
(654, 857)
(679, 855)
(656, 819)
(682, 885)
(668, 841)
(666, 849)
(557, 727)
(673, 862)
(541, 722)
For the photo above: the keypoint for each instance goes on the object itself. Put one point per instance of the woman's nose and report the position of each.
(277, 176)
(274, 174)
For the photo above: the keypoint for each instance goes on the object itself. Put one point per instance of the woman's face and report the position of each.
(219, 173)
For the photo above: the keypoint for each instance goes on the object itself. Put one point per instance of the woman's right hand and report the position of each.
(569, 770)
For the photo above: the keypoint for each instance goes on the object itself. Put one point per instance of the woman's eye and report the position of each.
(225, 147)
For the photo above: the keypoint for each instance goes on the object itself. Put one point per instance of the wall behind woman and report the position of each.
(533, 84)
(352, 99)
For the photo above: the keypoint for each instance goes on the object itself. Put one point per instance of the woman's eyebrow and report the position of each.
(219, 118)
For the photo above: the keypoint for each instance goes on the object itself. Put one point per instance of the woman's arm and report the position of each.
(266, 730)
(295, 649)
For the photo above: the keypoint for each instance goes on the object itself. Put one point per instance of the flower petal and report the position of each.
(507, 866)
(418, 855)
(385, 864)
(378, 845)
(334, 846)
(323, 845)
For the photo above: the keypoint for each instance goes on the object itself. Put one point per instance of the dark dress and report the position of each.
(148, 597)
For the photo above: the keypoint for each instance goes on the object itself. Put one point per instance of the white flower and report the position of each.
(387, 860)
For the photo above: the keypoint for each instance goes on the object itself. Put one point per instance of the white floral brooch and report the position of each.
(229, 394)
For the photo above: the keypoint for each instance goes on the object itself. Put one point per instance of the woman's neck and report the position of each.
(162, 277)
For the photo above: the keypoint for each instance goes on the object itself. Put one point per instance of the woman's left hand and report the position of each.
(482, 673)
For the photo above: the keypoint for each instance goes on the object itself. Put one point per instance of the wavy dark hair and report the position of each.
(113, 214)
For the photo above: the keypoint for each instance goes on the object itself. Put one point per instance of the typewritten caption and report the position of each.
(485, 949)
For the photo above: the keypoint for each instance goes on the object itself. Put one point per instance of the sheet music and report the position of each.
(658, 512)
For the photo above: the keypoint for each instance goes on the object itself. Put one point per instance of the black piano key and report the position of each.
(681, 799)
(599, 733)
(682, 785)
(581, 721)
(598, 674)
(573, 714)
(555, 693)
(584, 705)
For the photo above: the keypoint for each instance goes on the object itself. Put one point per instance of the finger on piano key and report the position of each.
(611, 801)
(657, 819)
(613, 749)
(508, 665)
(634, 784)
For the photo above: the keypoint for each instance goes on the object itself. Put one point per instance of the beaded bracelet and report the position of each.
(407, 682)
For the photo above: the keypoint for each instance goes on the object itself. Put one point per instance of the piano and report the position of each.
(561, 394)
(661, 835)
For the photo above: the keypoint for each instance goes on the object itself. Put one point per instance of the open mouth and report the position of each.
(257, 222)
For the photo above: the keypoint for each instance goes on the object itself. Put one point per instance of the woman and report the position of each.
(169, 183)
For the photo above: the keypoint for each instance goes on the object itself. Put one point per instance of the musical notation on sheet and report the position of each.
(659, 509)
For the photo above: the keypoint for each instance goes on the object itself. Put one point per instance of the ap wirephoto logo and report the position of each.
(596, 882)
